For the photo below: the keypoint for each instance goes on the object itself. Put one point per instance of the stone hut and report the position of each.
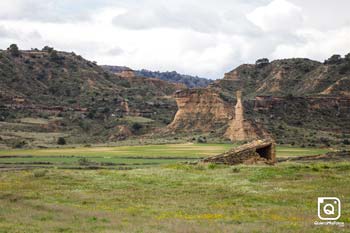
(258, 151)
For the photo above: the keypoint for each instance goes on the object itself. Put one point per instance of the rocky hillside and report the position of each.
(77, 97)
(296, 100)
(49, 97)
(51, 78)
(298, 77)
(174, 77)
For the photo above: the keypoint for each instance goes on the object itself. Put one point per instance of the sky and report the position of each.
(198, 37)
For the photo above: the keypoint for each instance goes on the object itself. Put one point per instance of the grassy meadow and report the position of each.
(172, 198)
(158, 193)
(127, 156)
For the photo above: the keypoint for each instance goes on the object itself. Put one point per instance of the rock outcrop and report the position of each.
(200, 110)
(258, 151)
(204, 110)
(120, 133)
(241, 129)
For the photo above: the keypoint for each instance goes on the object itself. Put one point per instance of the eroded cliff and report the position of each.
(297, 101)
(203, 110)
(240, 129)
(200, 110)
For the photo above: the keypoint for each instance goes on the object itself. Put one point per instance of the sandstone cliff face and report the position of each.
(203, 110)
(200, 110)
(241, 129)
(236, 130)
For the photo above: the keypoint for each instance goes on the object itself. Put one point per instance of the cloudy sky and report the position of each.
(198, 37)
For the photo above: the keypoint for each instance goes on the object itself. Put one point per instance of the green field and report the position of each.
(173, 198)
(158, 193)
(129, 155)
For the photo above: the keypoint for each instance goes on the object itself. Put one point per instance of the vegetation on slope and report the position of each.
(298, 77)
(173, 76)
(76, 97)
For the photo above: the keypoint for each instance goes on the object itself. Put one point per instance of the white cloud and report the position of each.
(7, 33)
(8, 8)
(46, 10)
(116, 51)
(207, 16)
(279, 15)
(191, 17)
(318, 45)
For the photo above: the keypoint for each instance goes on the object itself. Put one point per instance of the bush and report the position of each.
(92, 113)
(84, 162)
(346, 142)
(262, 62)
(47, 49)
(39, 173)
(85, 125)
(54, 57)
(136, 126)
(14, 51)
(61, 141)
(290, 96)
(106, 110)
(236, 170)
(325, 141)
(347, 57)
(335, 59)
(19, 144)
(202, 139)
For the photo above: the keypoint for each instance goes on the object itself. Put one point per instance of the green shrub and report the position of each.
(202, 139)
(84, 162)
(54, 57)
(334, 59)
(47, 49)
(236, 170)
(39, 173)
(14, 51)
(262, 62)
(85, 125)
(136, 126)
(346, 142)
(19, 144)
(61, 141)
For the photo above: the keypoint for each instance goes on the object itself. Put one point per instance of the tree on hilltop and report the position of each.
(14, 51)
(347, 57)
(334, 59)
(47, 49)
(262, 62)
